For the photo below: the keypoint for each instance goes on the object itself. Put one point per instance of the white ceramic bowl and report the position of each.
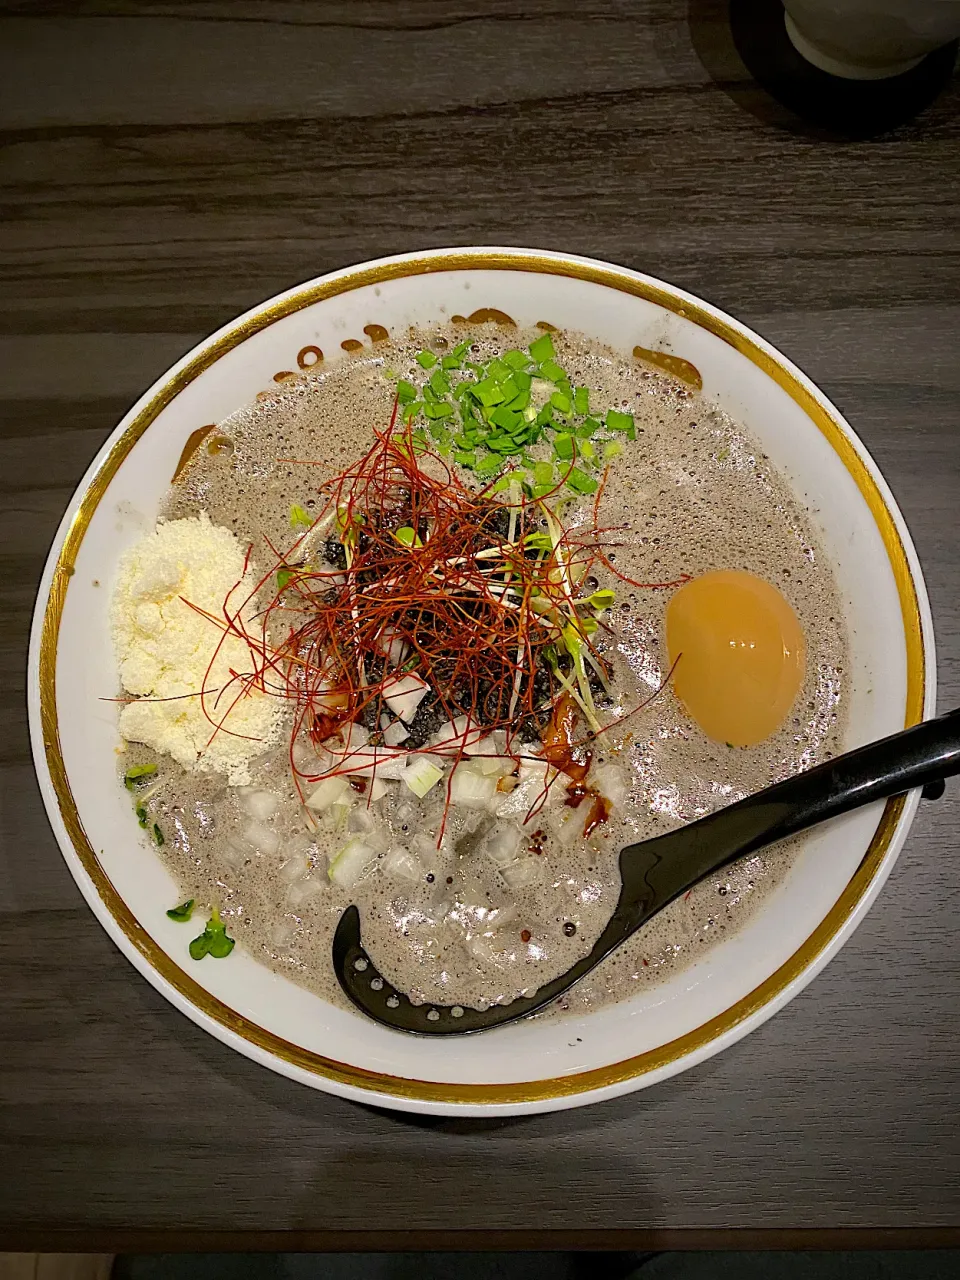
(527, 1066)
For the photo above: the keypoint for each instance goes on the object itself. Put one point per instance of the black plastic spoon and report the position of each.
(656, 871)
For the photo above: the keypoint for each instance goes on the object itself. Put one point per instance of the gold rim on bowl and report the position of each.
(426, 1091)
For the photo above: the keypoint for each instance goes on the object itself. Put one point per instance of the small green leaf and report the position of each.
(137, 774)
(213, 941)
(299, 517)
(407, 537)
(601, 600)
(539, 541)
(426, 359)
(284, 576)
(542, 348)
(183, 912)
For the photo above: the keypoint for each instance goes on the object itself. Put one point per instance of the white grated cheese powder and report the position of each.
(165, 649)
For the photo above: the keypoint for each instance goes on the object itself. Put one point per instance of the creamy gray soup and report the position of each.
(470, 710)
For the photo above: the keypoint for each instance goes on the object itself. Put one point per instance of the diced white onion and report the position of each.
(611, 784)
(378, 788)
(261, 838)
(498, 766)
(472, 790)
(262, 805)
(302, 891)
(519, 874)
(421, 774)
(350, 863)
(401, 864)
(503, 843)
(533, 778)
(361, 820)
(331, 791)
(395, 732)
(386, 764)
(295, 866)
(403, 694)
(281, 935)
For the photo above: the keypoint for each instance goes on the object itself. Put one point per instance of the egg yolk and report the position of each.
(741, 655)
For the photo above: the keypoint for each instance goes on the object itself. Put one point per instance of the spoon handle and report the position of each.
(661, 869)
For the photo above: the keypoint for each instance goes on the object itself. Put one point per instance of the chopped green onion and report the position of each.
(617, 421)
(426, 359)
(136, 774)
(581, 399)
(213, 941)
(406, 391)
(158, 836)
(488, 392)
(284, 576)
(488, 466)
(505, 417)
(561, 402)
(543, 473)
(564, 447)
(141, 813)
(434, 411)
(516, 359)
(587, 428)
(183, 912)
(440, 383)
(552, 371)
(299, 517)
(580, 482)
(449, 362)
(612, 449)
(542, 348)
(465, 459)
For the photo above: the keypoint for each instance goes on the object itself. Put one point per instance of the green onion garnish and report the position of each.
(183, 912)
(580, 482)
(426, 359)
(298, 517)
(542, 348)
(137, 774)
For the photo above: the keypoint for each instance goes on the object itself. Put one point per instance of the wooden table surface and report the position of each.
(166, 165)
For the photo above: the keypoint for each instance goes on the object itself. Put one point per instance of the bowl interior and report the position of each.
(528, 1065)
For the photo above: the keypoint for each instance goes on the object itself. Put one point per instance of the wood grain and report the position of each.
(164, 165)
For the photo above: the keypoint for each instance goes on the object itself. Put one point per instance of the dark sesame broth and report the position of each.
(691, 494)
